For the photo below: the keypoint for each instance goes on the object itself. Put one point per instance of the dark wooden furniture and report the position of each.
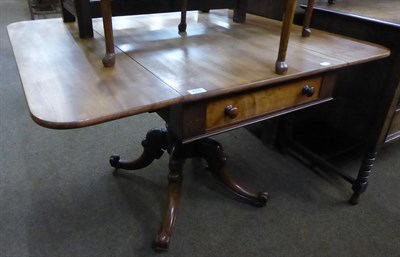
(198, 94)
(82, 11)
(377, 22)
(43, 7)
(366, 112)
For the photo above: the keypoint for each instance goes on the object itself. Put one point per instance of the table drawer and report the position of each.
(237, 108)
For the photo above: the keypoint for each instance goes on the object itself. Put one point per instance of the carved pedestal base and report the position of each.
(156, 142)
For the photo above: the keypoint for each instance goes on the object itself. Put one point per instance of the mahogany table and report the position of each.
(216, 77)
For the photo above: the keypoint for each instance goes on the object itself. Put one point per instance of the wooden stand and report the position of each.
(206, 96)
(159, 140)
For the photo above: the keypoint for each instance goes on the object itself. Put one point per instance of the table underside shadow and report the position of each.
(159, 140)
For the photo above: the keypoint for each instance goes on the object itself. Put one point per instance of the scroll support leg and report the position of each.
(154, 144)
(159, 140)
(213, 154)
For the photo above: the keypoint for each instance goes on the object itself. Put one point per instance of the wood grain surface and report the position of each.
(382, 10)
(66, 85)
(220, 56)
(260, 102)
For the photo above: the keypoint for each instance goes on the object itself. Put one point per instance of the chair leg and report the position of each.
(182, 25)
(109, 58)
(280, 66)
(307, 19)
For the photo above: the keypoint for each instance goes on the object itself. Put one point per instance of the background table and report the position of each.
(378, 22)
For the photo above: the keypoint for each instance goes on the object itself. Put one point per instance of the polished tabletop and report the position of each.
(382, 10)
(66, 85)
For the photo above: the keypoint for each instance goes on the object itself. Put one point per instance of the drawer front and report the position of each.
(233, 109)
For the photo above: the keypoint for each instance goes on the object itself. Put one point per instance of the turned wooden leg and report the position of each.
(182, 25)
(161, 242)
(213, 153)
(109, 58)
(154, 144)
(280, 66)
(361, 183)
(307, 19)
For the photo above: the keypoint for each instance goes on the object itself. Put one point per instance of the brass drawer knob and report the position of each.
(308, 91)
(231, 111)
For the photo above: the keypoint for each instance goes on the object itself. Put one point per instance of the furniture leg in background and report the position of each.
(109, 58)
(307, 19)
(43, 7)
(281, 66)
(368, 107)
(182, 25)
(78, 10)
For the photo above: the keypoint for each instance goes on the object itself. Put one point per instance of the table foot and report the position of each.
(361, 182)
(161, 242)
(354, 198)
(258, 200)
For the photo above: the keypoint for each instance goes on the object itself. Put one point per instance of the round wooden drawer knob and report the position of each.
(308, 91)
(231, 111)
